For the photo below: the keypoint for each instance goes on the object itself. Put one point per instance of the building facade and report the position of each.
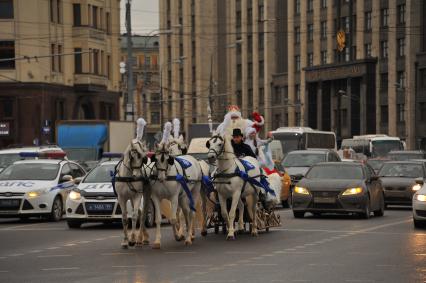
(147, 79)
(219, 53)
(58, 60)
(355, 67)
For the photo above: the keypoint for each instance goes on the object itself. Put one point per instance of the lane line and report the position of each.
(127, 266)
(49, 256)
(239, 252)
(14, 255)
(196, 265)
(53, 248)
(35, 251)
(261, 264)
(60, 268)
(69, 245)
(19, 226)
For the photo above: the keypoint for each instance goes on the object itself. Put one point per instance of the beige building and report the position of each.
(378, 71)
(222, 51)
(58, 60)
(147, 79)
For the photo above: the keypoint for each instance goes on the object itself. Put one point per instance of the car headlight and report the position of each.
(421, 197)
(300, 190)
(352, 191)
(416, 187)
(75, 195)
(35, 194)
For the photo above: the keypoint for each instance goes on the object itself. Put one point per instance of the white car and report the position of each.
(94, 199)
(37, 187)
(419, 205)
(10, 155)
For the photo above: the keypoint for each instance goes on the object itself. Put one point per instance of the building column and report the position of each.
(291, 64)
(363, 106)
(231, 51)
(303, 62)
(317, 32)
(255, 53)
(332, 106)
(375, 52)
(331, 40)
(392, 53)
(244, 58)
(348, 107)
(319, 105)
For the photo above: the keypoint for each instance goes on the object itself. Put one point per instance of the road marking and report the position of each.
(384, 226)
(48, 256)
(261, 264)
(60, 268)
(35, 251)
(296, 252)
(238, 252)
(84, 242)
(100, 239)
(70, 245)
(13, 255)
(19, 226)
(299, 247)
(53, 248)
(179, 253)
(113, 254)
(196, 265)
(127, 266)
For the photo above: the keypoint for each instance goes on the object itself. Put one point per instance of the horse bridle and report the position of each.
(183, 150)
(214, 139)
(133, 151)
(163, 152)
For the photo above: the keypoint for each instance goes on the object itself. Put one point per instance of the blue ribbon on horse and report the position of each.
(208, 184)
(262, 184)
(181, 180)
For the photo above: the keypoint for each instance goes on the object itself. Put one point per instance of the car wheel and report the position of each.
(150, 216)
(298, 214)
(367, 211)
(381, 211)
(419, 223)
(57, 210)
(73, 224)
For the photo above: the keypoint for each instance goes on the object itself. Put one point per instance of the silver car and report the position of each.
(419, 205)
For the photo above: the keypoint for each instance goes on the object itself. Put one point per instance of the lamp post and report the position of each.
(340, 93)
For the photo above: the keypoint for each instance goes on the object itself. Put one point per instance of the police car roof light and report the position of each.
(28, 154)
(112, 155)
(53, 155)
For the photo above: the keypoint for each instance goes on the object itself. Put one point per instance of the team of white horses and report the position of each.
(172, 175)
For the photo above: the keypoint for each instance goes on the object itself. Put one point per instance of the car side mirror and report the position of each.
(66, 178)
(77, 180)
(419, 181)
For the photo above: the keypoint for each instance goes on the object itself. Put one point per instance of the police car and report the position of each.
(94, 199)
(37, 187)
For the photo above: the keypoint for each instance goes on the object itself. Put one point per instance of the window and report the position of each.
(155, 118)
(344, 117)
(78, 62)
(261, 13)
(384, 114)
(323, 3)
(423, 111)
(346, 24)
(310, 5)
(6, 9)
(368, 50)
(76, 171)
(297, 62)
(94, 17)
(59, 56)
(297, 34)
(108, 66)
(368, 21)
(76, 14)
(297, 91)
(310, 32)
(297, 7)
(59, 11)
(53, 57)
(7, 108)
(385, 17)
(250, 70)
(52, 10)
(108, 22)
(400, 112)
(347, 54)
(7, 51)
(261, 41)
(298, 117)
(310, 59)
(249, 16)
(96, 61)
(422, 78)
(324, 57)
(261, 69)
(239, 72)
(401, 80)
(384, 81)
(401, 14)
(238, 23)
(250, 43)
(261, 96)
(384, 49)
(401, 47)
(324, 30)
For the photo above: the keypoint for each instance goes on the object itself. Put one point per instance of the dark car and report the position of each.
(339, 187)
(406, 155)
(298, 162)
(399, 180)
(377, 163)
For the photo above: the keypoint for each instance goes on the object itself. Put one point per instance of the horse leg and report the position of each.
(175, 220)
(235, 198)
(143, 238)
(240, 216)
(204, 213)
(187, 214)
(157, 242)
(136, 203)
(196, 192)
(125, 223)
(255, 199)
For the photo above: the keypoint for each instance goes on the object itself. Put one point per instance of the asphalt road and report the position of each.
(324, 249)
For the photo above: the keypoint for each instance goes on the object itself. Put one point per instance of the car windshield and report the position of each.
(401, 170)
(30, 171)
(100, 174)
(405, 156)
(383, 147)
(289, 141)
(335, 172)
(303, 159)
(375, 164)
(9, 158)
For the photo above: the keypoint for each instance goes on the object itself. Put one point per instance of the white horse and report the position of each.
(167, 168)
(231, 185)
(130, 186)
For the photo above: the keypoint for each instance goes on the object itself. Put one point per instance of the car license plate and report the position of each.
(325, 200)
(9, 203)
(100, 206)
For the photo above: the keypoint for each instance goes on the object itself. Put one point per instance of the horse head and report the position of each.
(178, 146)
(162, 159)
(216, 146)
(136, 156)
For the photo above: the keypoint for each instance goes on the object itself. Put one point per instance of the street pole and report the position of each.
(161, 95)
(130, 100)
(340, 93)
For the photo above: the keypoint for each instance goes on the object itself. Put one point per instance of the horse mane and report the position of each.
(228, 145)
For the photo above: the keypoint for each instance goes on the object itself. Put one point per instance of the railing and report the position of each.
(88, 32)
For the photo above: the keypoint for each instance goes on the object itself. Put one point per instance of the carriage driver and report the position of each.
(241, 149)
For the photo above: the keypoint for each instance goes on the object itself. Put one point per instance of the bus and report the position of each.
(373, 145)
(299, 138)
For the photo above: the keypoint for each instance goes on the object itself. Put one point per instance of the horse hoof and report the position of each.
(179, 238)
(124, 246)
(132, 244)
(230, 238)
(203, 233)
(145, 243)
(188, 243)
(254, 234)
(156, 246)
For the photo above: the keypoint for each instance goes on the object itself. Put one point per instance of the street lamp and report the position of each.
(340, 93)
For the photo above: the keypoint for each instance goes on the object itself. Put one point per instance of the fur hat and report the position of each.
(259, 121)
(140, 126)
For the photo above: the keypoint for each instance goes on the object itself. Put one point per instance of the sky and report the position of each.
(145, 16)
